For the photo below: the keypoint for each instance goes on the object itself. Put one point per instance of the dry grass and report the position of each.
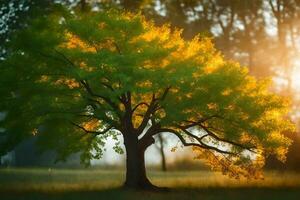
(58, 179)
(103, 184)
(206, 179)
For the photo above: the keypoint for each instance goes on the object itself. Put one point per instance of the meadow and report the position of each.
(80, 184)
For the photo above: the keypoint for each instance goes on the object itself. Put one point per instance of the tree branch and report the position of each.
(107, 100)
(147, 115)
(192, 123)
(92, 132)
(165, 93)
(227, 141)
(117, 47)
(65, 57)
(201, 145)
(152, 108)
(140, 104)
(275, 12)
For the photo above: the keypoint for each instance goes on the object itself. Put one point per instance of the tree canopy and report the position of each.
(73, 80)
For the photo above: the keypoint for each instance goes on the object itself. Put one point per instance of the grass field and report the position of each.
(78, 184)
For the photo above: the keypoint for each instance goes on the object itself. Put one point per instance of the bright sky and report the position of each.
(152, 155)
(296, 76)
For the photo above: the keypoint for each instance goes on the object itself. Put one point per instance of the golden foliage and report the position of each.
(140, 111)
(74, 41)
(71, 83)
(144, 84)
(137, 120)
(233, 166)
(84, 66)
(91, 125)
(156, 33)
(212, 106)
(227, 92)
(281, 151)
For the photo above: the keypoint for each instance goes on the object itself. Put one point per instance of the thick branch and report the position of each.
(127, 117)
(192, 123)
(201, 145)
(165, 93)
(147, 139)
(199, 139)
(152, 108)
(213, 135)
(140, 104)
(227, 141)
(275, 12)
(147, 115)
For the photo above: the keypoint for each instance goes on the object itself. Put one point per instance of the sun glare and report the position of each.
(296, 75)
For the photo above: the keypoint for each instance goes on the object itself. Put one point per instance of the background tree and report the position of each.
(161, 148)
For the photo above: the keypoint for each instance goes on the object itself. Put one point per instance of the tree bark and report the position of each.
(136, 177)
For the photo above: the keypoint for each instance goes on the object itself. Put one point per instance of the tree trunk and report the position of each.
(136, 177)
(162, 153)
(83, 5)
(131, 5)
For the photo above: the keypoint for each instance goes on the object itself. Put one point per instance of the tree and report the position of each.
(160, 147)
(74, 80)
(281, 12)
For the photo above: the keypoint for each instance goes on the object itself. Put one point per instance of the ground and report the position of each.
(95, 184)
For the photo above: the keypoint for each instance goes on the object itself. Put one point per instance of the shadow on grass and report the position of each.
(172, 194)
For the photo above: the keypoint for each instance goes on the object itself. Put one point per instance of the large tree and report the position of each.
(74, 80)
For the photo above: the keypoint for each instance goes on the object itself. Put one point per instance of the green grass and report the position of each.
(79, 184)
